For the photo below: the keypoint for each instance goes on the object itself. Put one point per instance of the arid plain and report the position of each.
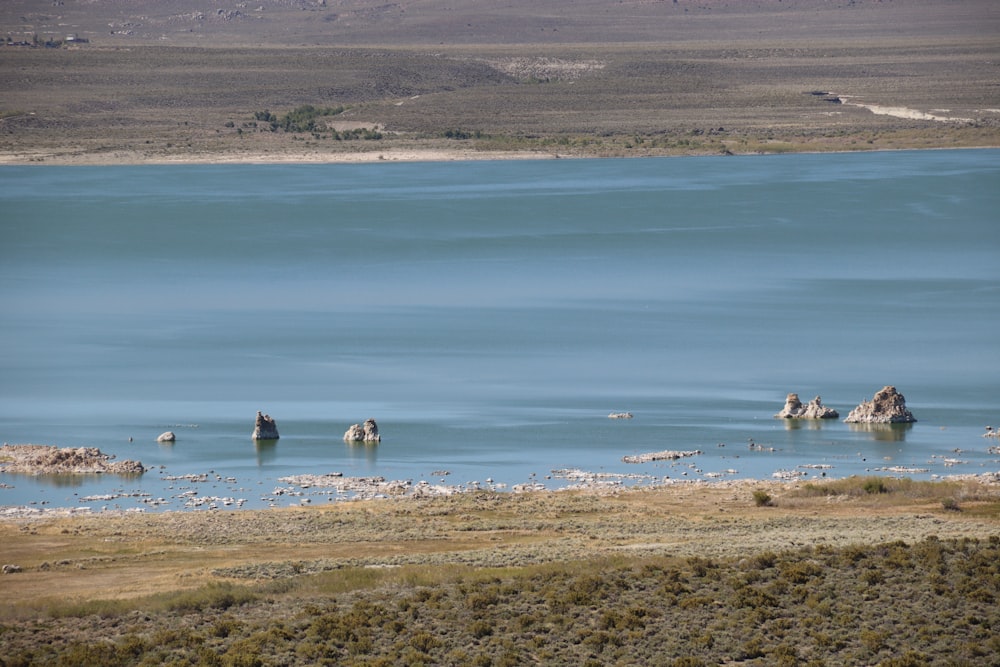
(181, 81)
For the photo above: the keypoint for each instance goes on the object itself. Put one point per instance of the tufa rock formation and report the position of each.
(660, 456)
(888, 406)
(167, 436)
(51, 460)
(366, 433)
(814, 409)
(265, 428)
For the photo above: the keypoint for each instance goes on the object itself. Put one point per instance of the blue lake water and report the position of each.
(490, 315)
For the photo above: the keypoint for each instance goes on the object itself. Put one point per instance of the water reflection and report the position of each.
(70, 480)
(357, 451)
(267, 451)
(884, 432)
(799, 424)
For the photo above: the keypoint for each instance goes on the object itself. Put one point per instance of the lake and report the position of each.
(491, 315)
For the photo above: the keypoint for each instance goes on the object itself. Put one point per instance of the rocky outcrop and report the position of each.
(51, 460)
(367, 433)
(265, 428)
(814, 409)
(620, 415)
(888, 406)
(660, 456)
(167, 436)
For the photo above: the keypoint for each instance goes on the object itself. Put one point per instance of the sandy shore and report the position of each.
(401, 155)
(126, 158)
(125, 555)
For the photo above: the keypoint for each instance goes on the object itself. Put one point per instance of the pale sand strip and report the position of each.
(388, 155)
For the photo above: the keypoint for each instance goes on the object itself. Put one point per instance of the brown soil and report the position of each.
(121, 556)
(173, 82)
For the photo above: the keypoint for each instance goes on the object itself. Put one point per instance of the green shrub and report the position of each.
(300, 119)
(875, 485)
(761, 498)
(212, 596)
(480, 629)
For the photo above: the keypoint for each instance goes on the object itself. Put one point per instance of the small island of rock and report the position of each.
(265, 428)
(814, 409)
(366, 433)
(52, 460)
(888, 406)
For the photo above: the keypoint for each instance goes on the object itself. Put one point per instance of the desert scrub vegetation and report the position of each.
(300, 119)
(929, 602)
(306, 119)
(893, 490)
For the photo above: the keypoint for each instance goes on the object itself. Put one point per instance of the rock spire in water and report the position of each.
(888, 406)
(265, 428)
(366, 433)
(814, 409)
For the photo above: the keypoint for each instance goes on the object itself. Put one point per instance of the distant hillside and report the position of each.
(148, 80)
(470, 22)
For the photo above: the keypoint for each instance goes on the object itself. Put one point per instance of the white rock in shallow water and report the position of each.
(367, 433)
(265, 428)
(660, 456)
(814, 409)
(888, 406)
(167, 436)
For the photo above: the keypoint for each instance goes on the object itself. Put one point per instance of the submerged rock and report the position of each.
(814, 409)
(888, 406)
(167, 436)
(265, 428)
(660, 456)
(366, 433)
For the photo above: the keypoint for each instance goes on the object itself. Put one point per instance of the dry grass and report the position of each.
(559, 577)
(137, 555)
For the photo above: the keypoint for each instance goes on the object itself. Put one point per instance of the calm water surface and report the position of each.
(490, 315)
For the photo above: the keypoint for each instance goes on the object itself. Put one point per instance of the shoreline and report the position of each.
(393, 155)
(122, 578)
(267, 158)
(116, 555)
(591, 486)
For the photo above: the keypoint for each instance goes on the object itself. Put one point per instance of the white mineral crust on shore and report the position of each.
(363, 486)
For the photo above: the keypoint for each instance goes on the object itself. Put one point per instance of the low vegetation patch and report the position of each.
(300, 119)
(902, 489)
(897, 603)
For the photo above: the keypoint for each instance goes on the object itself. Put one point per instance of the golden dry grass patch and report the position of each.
(106, 556)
